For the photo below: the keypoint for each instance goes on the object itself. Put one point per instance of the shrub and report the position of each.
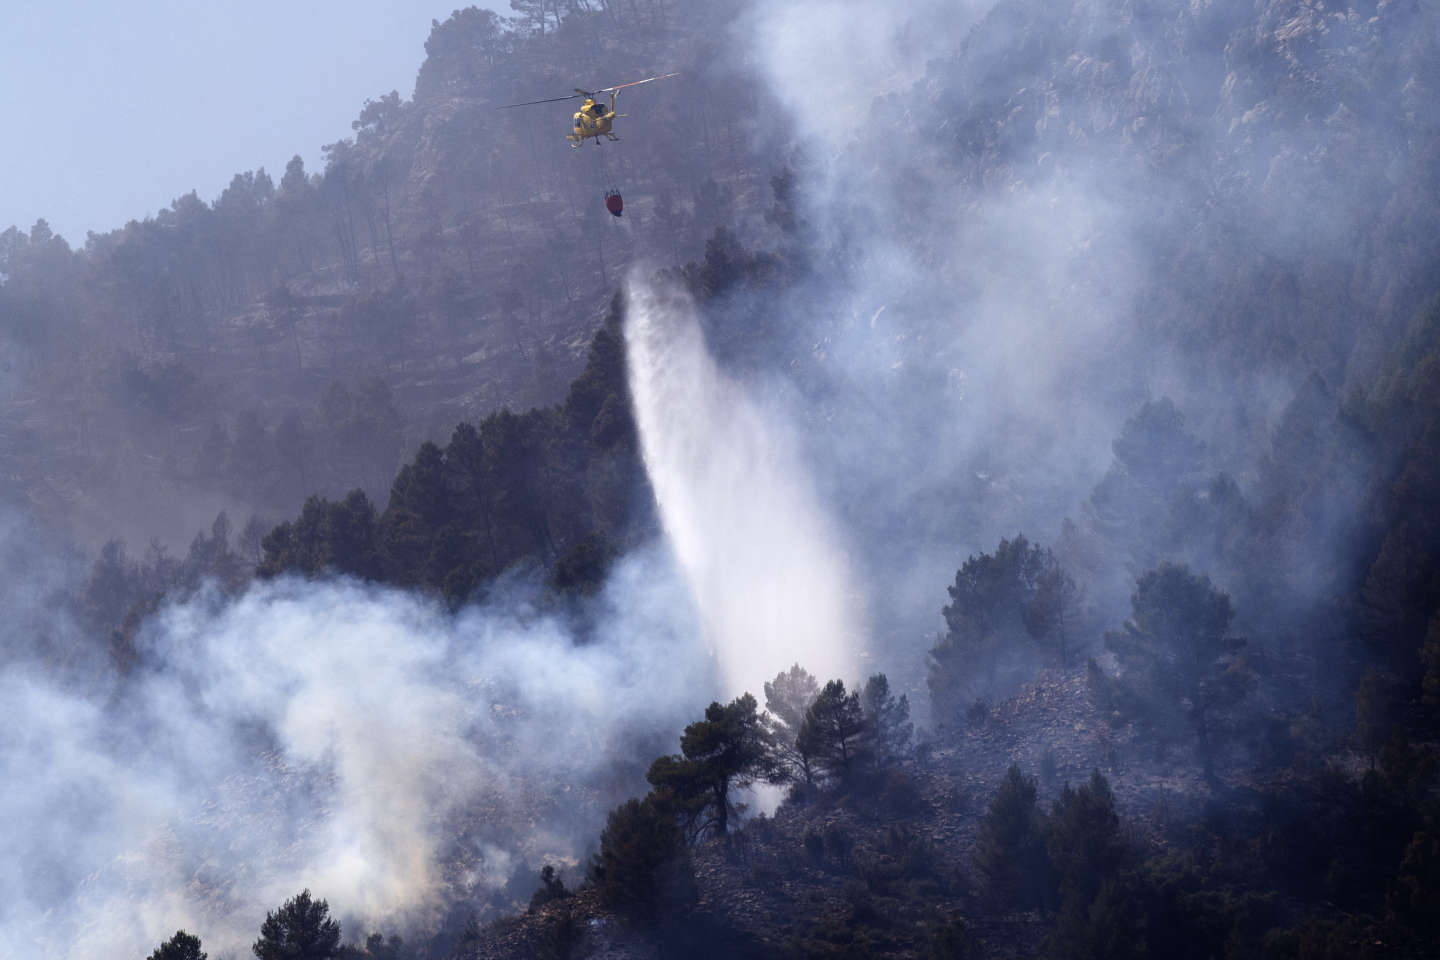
(551, 888)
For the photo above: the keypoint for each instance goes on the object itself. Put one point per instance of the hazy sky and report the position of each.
(109, 111)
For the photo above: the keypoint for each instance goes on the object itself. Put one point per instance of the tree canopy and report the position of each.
(725, 751)
(182, 946)
(787, 699)
(1177, 652)
(301, 929)
(1002, 605)
(834, 730)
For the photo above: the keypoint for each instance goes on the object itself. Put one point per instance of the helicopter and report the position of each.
(593, 120)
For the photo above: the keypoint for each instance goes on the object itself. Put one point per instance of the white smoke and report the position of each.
(770, 580)
(977, 326)
(360, 742)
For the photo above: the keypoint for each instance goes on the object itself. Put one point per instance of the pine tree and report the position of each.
(787, 697)
(1176, 648)
(1083, 839)
(300, 930)
(834, 729)
(727, 750)
(642, 869)
(888, 719)
(1054, 609)
(1010, 848)
(1000, 605)
(182, 946)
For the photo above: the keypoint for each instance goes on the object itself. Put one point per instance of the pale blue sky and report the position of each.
(110, 110)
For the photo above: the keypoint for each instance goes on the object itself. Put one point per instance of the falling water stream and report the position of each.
(762, 559)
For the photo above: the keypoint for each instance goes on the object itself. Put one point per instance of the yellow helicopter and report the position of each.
(594, 119)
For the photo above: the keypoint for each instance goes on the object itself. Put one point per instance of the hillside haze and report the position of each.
(370, 530)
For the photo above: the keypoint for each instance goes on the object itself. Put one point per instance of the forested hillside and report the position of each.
(1092, 348)
(305, 331)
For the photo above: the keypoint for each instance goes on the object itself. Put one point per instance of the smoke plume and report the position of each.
(361, 742)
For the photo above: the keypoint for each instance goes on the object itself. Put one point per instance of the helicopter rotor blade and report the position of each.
(528, 103)
(636, 83)
(591, 93)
